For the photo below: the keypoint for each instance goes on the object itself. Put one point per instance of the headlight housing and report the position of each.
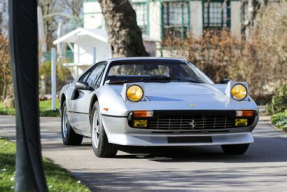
(239, 92)
(135, 93)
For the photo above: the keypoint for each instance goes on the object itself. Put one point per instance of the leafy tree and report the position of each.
(48, 7)
(68, 11)
(74, 7)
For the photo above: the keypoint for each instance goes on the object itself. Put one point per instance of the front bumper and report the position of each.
(119, 132)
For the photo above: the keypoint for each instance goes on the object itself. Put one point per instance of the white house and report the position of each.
(90, 46)
(82, 41)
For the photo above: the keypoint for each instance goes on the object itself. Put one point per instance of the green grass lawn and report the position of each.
(45, 109)
(57, 178)
(280, 120)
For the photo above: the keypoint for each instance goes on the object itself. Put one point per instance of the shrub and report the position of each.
(271, 28)
(279, 100)
(45, 69)
(63, 74)
(5, 70)
(280, 120)
(220, 55)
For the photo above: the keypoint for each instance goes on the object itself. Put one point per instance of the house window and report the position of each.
(216, 15)
(141, 9)
(175, 19)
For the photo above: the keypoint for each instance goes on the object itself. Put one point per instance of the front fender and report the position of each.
(113, 103)
(63, 95)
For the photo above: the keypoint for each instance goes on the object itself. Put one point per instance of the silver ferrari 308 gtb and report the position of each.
(155, 102)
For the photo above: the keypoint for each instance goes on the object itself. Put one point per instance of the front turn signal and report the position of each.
(245, 113)
(143, 113)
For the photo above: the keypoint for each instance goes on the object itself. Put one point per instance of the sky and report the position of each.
(4, 25)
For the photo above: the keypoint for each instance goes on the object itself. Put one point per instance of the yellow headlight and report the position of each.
(239, 92)
(135, 93)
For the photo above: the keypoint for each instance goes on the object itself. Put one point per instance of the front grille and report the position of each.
(191, 123)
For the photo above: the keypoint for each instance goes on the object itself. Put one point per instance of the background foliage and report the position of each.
(279, 101)
(5, 71)
(261, 62)
(63, 75)
(222, 56)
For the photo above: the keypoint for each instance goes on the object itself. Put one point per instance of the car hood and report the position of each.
(183, 96)
(184, 92)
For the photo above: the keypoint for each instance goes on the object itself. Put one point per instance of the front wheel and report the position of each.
(100, 143)
(235, 149)
(69, 136)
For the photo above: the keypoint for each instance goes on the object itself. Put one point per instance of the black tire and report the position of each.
(100, 143)
(235, 149)
(69, 136)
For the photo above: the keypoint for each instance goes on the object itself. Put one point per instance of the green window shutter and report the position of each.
(142, 10)
(175, 19)
(216, 15)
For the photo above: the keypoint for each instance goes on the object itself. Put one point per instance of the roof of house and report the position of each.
(99, 34)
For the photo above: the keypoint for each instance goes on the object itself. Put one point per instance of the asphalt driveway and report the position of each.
(262, 168)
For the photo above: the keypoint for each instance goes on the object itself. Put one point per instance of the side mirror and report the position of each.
(82, 86)
(224, 81)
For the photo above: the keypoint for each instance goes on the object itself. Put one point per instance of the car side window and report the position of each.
(85, 76)
(95, 74)
(98, 81)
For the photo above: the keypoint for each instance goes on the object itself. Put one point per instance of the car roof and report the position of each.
(146, 59)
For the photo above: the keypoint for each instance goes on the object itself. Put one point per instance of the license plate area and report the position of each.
(199, 139)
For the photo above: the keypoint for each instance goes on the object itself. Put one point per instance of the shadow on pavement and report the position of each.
(263, 150)
(209, 179)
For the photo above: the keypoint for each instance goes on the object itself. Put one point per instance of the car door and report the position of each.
(81, 115)
(73, 96)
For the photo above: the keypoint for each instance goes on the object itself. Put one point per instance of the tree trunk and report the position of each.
(124, 34)
(1, 23)
(251, 13)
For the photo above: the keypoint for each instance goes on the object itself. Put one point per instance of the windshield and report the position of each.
(154, 71)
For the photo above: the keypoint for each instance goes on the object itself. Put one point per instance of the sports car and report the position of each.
(155, 102)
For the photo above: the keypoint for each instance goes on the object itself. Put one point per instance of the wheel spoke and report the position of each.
(65, 122)
(95, 129)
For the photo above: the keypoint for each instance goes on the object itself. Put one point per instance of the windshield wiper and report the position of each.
(186, 79)
(116, 81)
(151, 79)
(166, 78)
(160, 78)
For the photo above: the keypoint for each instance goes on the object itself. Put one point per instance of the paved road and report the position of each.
(263, 168)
